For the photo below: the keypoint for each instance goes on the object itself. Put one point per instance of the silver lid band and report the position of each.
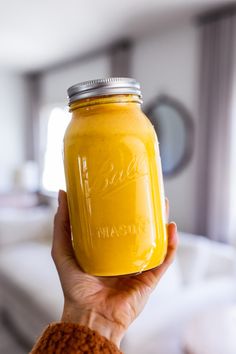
(104, 87)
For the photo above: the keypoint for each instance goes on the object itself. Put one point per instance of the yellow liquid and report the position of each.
(115, 188)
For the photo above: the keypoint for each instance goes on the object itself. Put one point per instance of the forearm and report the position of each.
(62, 338)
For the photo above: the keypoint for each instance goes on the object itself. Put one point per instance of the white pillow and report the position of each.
(201, 258)
(170, 283)
(222, 260)
(18, 225)
(193, 255)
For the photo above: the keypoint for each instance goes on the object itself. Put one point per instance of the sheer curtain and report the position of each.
(232, 215)
(216, 114)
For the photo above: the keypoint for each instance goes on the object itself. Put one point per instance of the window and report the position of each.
(54, 123)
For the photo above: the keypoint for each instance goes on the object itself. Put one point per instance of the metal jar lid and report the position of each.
(104, 87)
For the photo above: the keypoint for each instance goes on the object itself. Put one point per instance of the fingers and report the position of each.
(167, 209)
(62, 246)
(152, 277)
(171, 250)
(172, 244)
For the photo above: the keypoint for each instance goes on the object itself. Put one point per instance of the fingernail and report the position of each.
(174, 223)
(59, 197)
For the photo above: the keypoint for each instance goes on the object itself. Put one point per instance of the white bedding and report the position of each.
(30, 291)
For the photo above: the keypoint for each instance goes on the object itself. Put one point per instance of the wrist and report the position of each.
(95, 321)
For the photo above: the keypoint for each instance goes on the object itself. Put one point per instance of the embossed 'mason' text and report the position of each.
(111, 231)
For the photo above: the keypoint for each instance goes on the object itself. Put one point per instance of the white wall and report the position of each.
(12, 123)
(168, 63)
(163, 63)
(14, 107)
(55, 84)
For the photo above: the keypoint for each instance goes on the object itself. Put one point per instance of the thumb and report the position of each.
(62, 246)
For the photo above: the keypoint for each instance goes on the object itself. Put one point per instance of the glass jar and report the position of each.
(114, 180)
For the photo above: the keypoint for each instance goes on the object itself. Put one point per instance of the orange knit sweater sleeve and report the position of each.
(71, 338)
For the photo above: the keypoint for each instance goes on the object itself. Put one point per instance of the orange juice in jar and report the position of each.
(114, 180)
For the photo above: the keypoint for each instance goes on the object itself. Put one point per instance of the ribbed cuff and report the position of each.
(72, 338)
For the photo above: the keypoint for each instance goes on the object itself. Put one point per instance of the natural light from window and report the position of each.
(53, 172)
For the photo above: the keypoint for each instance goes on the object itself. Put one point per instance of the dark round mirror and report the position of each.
(174, 128)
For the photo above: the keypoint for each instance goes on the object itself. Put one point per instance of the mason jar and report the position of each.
(114, 180)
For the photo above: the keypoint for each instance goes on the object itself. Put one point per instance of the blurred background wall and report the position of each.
(183, 54)
(168, 62)
(13, 123)
(165, 62)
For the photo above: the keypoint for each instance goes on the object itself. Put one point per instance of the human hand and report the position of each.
(107, 305)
